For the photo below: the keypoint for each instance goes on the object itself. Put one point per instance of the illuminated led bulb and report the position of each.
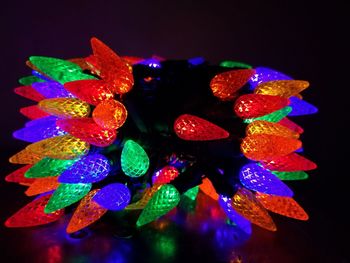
(196, 61)
(33, 214)
(18, 176)
(285, 206)
(235, 64)
(86, 213)
(246, 204)
(65, 107)
(25, 156)
(275, 116)
(151, 62)
(282, 88)
(256, 105)
(291, 125)
(237, 219)
(87, 130)
(264, 146)
(42, 185)
(265, 75)
(289, 163)
(113, 69)
(301, 107)
(225, 85)
(297, 175)
(132, 60)
(29, 92)
(58, 69)
(192, 193)
(266, 127)
(60, 147)
(41, 121)
(207, 187)
(39, 131)
(89, 169)
(147, 195)
(93, 65)
(134, 159)
(65, 195)
(164, 200)
(92, 91)
(165, 175)
(48, 167)
(114, 196)
(28, 80)
(110, 114)
(193, 128)
(52, 89)
(256, 178)
(81, 62)
(33, 112)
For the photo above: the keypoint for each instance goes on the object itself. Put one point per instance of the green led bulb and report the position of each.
(192, 193)
(65, 195)
(234, 64)
(165, 199)
(29, 80)
(298, 175)
(275, 116)
(58, 69)
(49, 167)
(134, 159)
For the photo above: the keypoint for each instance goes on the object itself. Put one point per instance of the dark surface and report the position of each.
(301, 39)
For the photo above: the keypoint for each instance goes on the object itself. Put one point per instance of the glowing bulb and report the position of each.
(86, 213)
(65, 195)
(289, 163)
(225, 85)
(114, 196)
(25, 156)
(33, 214)
(246, 204)
(60, 147)
(147, 195)
(265, 127)
(113, 69)
(235, 64)
(134, 159)
(33, 112)
(193, 128)
(282, 88)
(110, 114)
(29, 93)
(301, 107)
(48, 167)
(164, 200)
(256, 178)
(236, 218)
(89, 169)
(90, 91)
(165, 175)
(52, 89)
(282, 205)
(60, 70)
(42, 185)
(256, 105)
(207, 187)
(87, 130)
(264, 146)
(39, 131)
(18, 176)
(265, 75)
(65, 107)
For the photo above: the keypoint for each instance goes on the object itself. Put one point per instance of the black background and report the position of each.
(300, 38)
